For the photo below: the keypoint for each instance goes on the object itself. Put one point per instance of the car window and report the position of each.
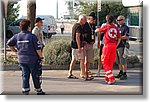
(16, 23)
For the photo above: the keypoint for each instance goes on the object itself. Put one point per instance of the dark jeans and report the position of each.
(28, 69)
(62, 30)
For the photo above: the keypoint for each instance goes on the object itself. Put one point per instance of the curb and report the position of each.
(15, 67)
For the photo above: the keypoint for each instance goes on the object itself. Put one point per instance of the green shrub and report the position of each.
(133, 59)
(96, 54)
(9, 60)
(58, 52)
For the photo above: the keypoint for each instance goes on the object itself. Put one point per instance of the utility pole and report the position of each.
(57, 9)
(4, 25)
(98, 10)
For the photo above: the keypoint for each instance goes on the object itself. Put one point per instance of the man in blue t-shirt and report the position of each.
(120, 60)
(29, 53)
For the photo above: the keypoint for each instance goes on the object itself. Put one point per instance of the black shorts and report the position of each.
(101, 50)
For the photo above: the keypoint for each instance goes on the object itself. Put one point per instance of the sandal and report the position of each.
(72, 77)
(88, 78)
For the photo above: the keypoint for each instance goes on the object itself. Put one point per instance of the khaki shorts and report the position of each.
(76, 55)
(119, 58)
(89, 53)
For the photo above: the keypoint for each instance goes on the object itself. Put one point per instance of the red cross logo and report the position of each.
(112, 33)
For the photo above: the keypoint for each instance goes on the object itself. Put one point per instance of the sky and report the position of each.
(48, 7)
(44, 7)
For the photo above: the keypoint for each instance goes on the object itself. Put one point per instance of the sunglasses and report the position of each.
(119, 19)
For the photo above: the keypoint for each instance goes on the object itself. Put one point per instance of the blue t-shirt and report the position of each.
(124, 31)
(26, 44)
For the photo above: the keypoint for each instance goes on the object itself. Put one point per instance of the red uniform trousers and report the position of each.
(108, 58)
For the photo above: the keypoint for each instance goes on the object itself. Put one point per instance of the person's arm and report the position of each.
(78, 41)
(99, 38)
(12, 48)
(11, 43)
(119, 40)
(39, 52)
(126, 36)
(37, 46)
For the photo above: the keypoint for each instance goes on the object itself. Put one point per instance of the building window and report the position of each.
(134, 19)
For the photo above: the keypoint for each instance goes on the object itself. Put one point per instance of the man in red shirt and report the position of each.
(111, 35)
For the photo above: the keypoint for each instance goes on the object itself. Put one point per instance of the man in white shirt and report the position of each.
(62, 27)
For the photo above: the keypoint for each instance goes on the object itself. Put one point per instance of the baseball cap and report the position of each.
(38, 19)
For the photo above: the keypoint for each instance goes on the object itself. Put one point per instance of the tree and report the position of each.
(12, 12)
(85, 7)
(70, 6)
(31, 12)
(114, 8)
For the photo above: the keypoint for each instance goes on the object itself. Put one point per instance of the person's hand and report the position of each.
(96, 30)
(42, 59)
(80, 50)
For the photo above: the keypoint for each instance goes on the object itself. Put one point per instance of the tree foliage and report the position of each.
(114, 8)
(85, 7)
(12, 12)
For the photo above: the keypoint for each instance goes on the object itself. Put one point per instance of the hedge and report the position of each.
(57, 52)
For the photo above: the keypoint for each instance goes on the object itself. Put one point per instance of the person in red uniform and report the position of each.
(111, 36)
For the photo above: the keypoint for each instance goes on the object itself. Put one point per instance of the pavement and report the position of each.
(55, 82)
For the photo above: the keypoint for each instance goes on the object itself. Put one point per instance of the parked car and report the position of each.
(13, 28)
(49, 26)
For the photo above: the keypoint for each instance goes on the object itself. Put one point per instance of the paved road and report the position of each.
(55, 82)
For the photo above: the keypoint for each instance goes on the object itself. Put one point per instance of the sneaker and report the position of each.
(119, 75)
(123, 77)
(25, 92)
(106, 79)
(41, 93)
(111, 81)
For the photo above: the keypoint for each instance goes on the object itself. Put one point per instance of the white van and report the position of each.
(49, 26)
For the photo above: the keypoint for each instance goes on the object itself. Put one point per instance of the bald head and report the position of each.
(121, 17)
(120, 20)
(82, 19)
